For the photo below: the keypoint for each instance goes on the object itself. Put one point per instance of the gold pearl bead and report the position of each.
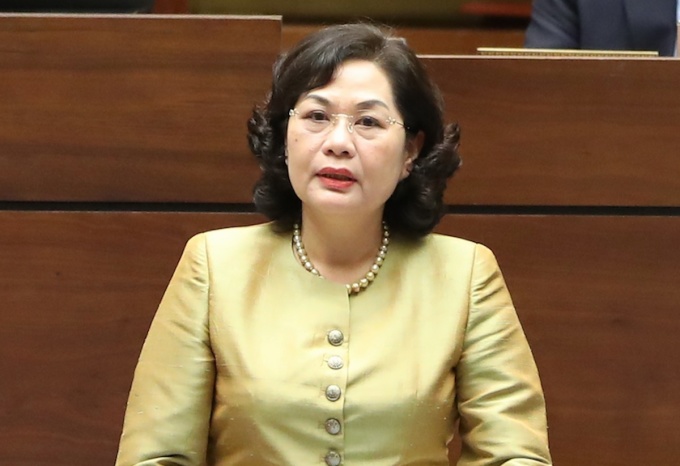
(357, 286)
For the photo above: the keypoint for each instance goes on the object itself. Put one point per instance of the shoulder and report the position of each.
(473, 259)
(238, 237)
(478, 264)
(448, 255)
(241, 232)
(233, 240)
(455, 248)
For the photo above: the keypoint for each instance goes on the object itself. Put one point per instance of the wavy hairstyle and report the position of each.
(417, 205)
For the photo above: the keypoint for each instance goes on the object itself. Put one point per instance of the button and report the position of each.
(333, 426)
(333, 392)
(335, 362)
(333, 458)
(335, 337)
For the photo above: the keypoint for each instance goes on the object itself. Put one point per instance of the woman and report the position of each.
(343, 332)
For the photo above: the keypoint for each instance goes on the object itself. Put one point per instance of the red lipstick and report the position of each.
(336, 178)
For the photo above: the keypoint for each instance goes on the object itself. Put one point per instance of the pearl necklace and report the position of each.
(359, 285)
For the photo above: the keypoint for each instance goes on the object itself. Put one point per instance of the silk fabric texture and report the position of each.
(234, 369)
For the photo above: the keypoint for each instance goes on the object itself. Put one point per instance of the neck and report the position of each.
(342, 249)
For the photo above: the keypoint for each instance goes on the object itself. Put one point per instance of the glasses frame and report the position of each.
(350, 119)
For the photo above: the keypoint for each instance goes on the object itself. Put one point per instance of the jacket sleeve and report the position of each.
(499, 395)
(554, 25)
(168, 413)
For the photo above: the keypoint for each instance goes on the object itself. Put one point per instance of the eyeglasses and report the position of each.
(369, 125)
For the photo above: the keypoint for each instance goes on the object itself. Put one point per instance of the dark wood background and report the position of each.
(121, 137)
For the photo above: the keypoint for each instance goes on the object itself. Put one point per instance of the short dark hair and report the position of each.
(417, 204)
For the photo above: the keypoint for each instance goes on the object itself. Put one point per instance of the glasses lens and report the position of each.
(371, 125)
(368, 125)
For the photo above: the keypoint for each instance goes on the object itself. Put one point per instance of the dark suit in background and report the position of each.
(604, 25)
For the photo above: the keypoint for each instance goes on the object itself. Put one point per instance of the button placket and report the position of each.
(333, 423)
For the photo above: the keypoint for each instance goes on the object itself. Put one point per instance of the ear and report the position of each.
(413, 146)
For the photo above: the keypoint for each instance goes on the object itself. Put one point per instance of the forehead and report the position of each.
(354, 82)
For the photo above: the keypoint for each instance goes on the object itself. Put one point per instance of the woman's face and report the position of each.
(346, 147)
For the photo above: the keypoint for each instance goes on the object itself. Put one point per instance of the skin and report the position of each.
(342, 220)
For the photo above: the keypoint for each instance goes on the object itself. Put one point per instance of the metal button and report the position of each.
(333, 426)
(333, 458)
(335, 362)
(335, 337)
(333, 392)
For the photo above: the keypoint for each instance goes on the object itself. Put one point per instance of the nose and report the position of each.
(348, 123)
(339, 140)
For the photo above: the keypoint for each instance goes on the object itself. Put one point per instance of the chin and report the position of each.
(336, 206)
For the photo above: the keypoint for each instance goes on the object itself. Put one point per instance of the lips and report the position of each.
(340, 174)
(336, 179)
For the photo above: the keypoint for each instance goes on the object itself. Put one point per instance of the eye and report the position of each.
(368, 121)
(317, 116)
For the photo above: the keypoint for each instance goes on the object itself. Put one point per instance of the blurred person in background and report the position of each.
(634, 25)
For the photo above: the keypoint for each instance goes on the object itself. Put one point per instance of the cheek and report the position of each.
(301, 149)
(386, 165)
(400, 154)
(292, 137)
(297, 158)
(295, 140)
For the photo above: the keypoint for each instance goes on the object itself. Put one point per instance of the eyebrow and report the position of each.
(361, 105)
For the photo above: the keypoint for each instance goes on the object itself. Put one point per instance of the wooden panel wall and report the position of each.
(584, 132)
(122, 137)
(130, 101)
